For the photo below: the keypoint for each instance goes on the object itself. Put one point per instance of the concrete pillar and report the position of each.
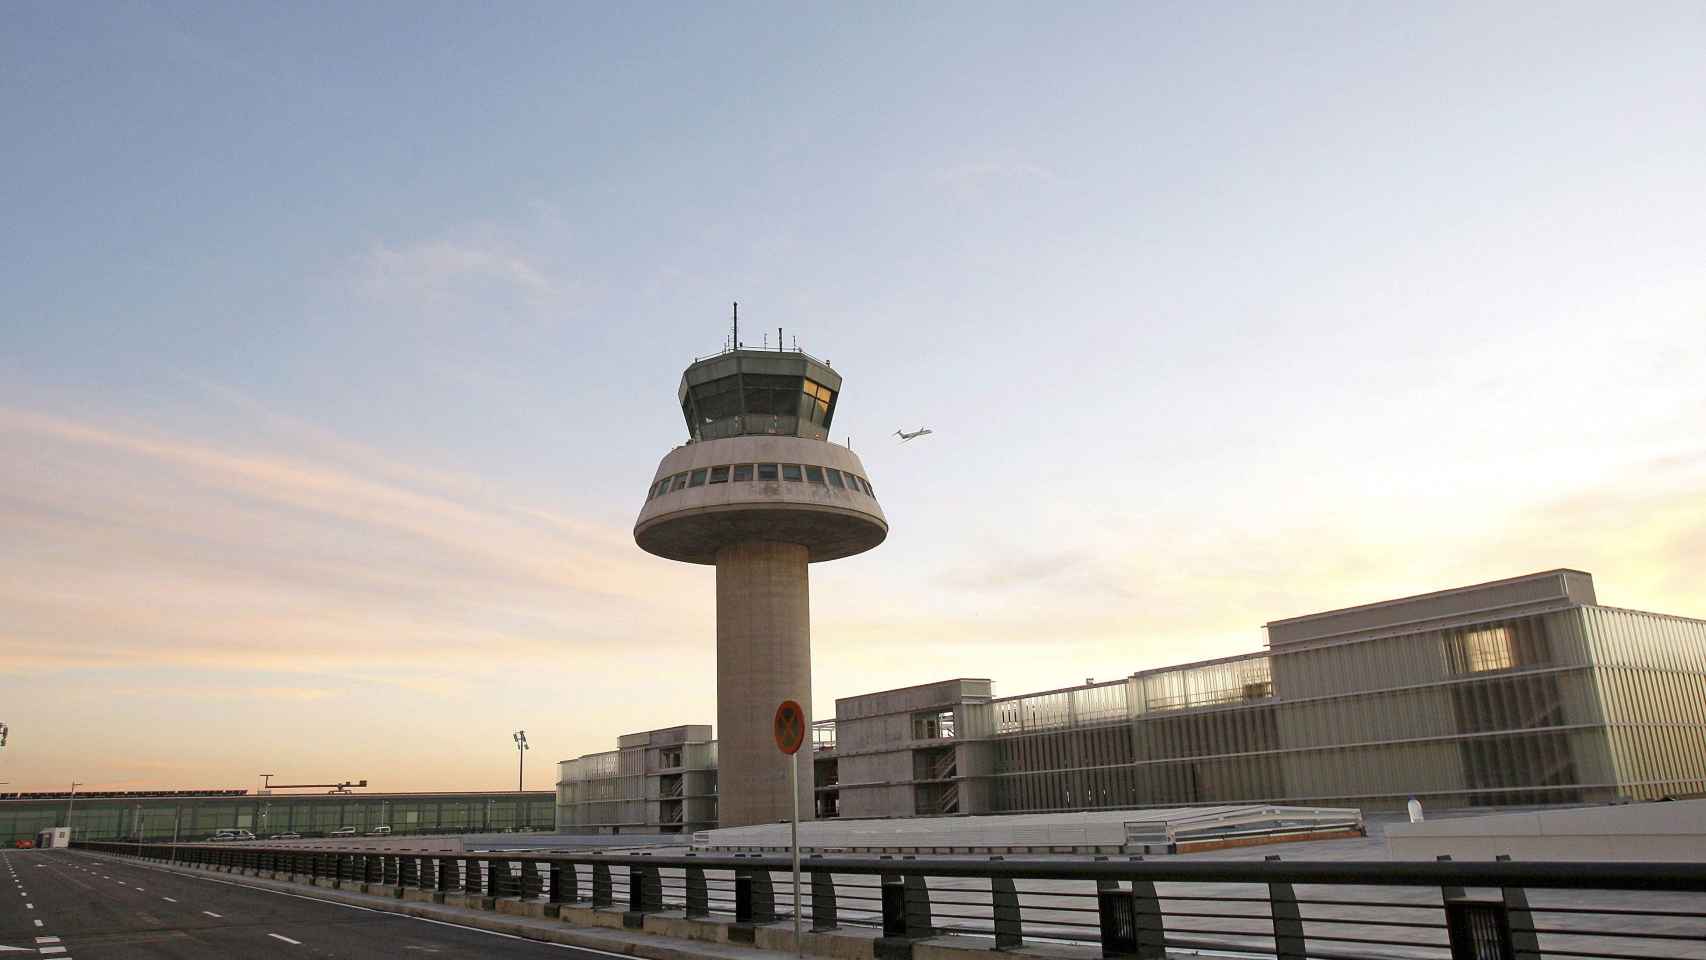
(764, 656)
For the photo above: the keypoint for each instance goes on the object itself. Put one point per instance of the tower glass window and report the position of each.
(814, 474)
(835, 478)
(791, 471)
(743, 471)
(768, 471)
(696, 478)
(815, 405)
(719, 475)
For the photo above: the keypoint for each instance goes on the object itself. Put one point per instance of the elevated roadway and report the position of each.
(77, 906)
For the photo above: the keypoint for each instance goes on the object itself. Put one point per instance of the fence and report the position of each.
(1484, 910)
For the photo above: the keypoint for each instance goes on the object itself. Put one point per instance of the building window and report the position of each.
(768, 471)
(770, 394)
(679, 482)
(696, 478)
(791, 471)
(719, 475)
(662, 487)
(718, 399)
(814, 474)
(933, 725)
(743, 471)
(835, 479)
(814, 406)
(1478, 650)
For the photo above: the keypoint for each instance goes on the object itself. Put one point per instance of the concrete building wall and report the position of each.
(1552, 706)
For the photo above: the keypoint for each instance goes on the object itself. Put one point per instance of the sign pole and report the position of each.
(794, 842)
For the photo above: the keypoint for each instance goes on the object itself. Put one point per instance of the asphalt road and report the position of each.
(78, 906)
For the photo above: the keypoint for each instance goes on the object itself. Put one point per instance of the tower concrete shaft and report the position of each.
(764, 656)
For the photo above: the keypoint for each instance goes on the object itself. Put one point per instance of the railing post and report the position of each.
(1009, 928)
(499, 880)
(893, 888)
(918, 921)
(601, 895)
(408, 871)
(1288, 921)
(471, 875)
(823, 900)
(563, 883)
(388, 869)
(698, 893)
(1130, 920)
(532, 882)
(743, 896)
(446, 874)
(763, 897)
(1519, 921)
(645, 895)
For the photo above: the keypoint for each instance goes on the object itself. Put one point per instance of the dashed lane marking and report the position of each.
(210, 913)
(168, 900)
(276, 936)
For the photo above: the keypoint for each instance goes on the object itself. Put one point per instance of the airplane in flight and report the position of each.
(914, 435)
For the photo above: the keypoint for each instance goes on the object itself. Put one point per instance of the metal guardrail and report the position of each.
(1485, 910)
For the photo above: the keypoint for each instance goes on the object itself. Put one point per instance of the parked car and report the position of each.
(342, 832)
(285, 836)
(379, 831)
(230, 834)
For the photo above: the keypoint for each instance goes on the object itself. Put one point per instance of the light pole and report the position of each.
(71, 803)
(521, 748)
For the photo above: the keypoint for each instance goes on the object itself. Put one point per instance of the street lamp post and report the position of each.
(521, 748)
(70, 804)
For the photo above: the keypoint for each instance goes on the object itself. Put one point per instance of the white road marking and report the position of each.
(139, 888)
(210, 913)
(51, 950)
(29, 906)
(47, 939)
(296, 943)
(38, 923)
(168, 900)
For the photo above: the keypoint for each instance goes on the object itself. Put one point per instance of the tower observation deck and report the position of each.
(759, 492)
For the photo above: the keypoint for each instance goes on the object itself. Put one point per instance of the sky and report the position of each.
(338, 345)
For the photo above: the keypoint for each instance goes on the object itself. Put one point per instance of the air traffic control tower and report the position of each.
(759, 491)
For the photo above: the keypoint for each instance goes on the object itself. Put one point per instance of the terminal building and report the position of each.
(1516, 692)
(194, 815)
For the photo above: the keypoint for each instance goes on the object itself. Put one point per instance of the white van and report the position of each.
(379, 831)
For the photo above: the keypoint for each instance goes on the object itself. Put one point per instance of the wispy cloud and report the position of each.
(439, 271)
(130, 545)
